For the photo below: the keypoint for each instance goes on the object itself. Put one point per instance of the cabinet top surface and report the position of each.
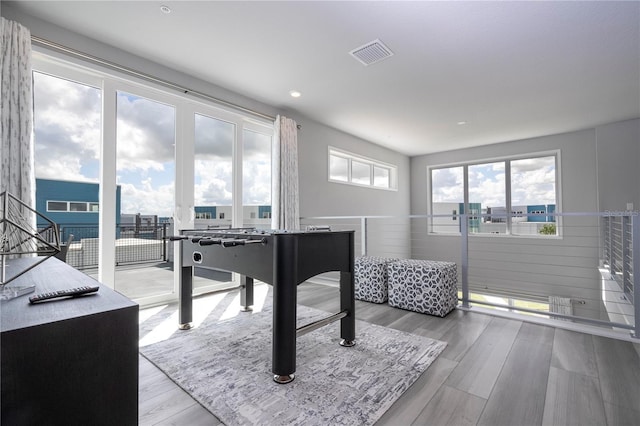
(49, 276)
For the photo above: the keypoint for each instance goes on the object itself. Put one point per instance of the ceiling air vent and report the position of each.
(372, 52)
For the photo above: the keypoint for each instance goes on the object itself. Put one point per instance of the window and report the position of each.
(71, 206)
(56, 206)
(487, 191)
(381, 177)
(447, 195)
(338, 168)
(515, 196)
(77, 207)
(360, 173)
(348, 168)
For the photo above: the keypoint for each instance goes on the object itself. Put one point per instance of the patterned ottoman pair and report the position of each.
(371, 280)
(423, 286)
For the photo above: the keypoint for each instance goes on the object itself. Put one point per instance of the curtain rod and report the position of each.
(94, 59)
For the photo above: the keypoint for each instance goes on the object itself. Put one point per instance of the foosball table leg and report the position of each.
(246, 293)
(185, 307)
(347, 303)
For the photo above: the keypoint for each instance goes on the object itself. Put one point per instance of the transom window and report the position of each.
(348, 168)
(513, 196)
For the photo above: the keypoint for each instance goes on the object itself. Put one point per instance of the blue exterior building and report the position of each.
(475, 211)
(264, 212)
(539, 212)
(205, 212)
(542, 210)
(72, 205)
(551, 209)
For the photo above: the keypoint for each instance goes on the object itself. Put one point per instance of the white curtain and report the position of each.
(16, 147)
(285, 212)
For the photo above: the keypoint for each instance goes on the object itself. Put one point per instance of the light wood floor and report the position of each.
(494, 371)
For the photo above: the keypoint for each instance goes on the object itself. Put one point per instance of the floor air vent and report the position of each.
(560, 305)
(372, 52)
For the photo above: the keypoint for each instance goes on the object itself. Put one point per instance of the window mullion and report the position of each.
(507, 185)
(108, 186)
(465, 191)
(237, 216)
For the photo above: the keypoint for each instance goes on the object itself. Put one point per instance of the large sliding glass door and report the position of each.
(256, 177)
(145, 170)
(214, 143)
(67, 117)
(137, 163)
(213, 172)
(232, 180)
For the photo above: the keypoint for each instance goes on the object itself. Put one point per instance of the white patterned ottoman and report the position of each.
(423, 286)
(371, 283)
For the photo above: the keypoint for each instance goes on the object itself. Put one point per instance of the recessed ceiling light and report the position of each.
(165, 9)
(461, 123)
(295, 94)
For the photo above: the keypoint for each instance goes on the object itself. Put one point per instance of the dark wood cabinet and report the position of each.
(68, 361)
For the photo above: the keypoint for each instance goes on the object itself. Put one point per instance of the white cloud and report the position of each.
(146, 133)
(532, 182)
(447, 185)
(487, 184)
(67, 129)
(147, 199)
(213, 185)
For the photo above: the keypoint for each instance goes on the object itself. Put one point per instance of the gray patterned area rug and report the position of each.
(226, 366)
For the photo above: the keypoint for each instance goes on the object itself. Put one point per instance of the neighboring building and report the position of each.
(73, 206)
(138, 226)
(205, 212)
(221, 216)
(492, 220)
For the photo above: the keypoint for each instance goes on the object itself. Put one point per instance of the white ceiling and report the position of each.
(511, 70)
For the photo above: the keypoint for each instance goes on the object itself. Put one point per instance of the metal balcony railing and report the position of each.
(618, 255)
(139, 244)
(575, 267)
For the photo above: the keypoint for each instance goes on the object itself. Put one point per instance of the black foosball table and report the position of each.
(282, 259)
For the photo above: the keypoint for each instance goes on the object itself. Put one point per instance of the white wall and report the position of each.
(618, 151)
(542, 266)
(319, 197)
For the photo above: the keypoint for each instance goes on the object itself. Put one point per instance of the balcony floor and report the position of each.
(141, 280)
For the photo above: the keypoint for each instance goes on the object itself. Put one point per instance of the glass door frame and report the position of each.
(110, 82)
(185, 157)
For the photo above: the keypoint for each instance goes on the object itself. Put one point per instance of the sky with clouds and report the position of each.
(532, 183)
(67, 147)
